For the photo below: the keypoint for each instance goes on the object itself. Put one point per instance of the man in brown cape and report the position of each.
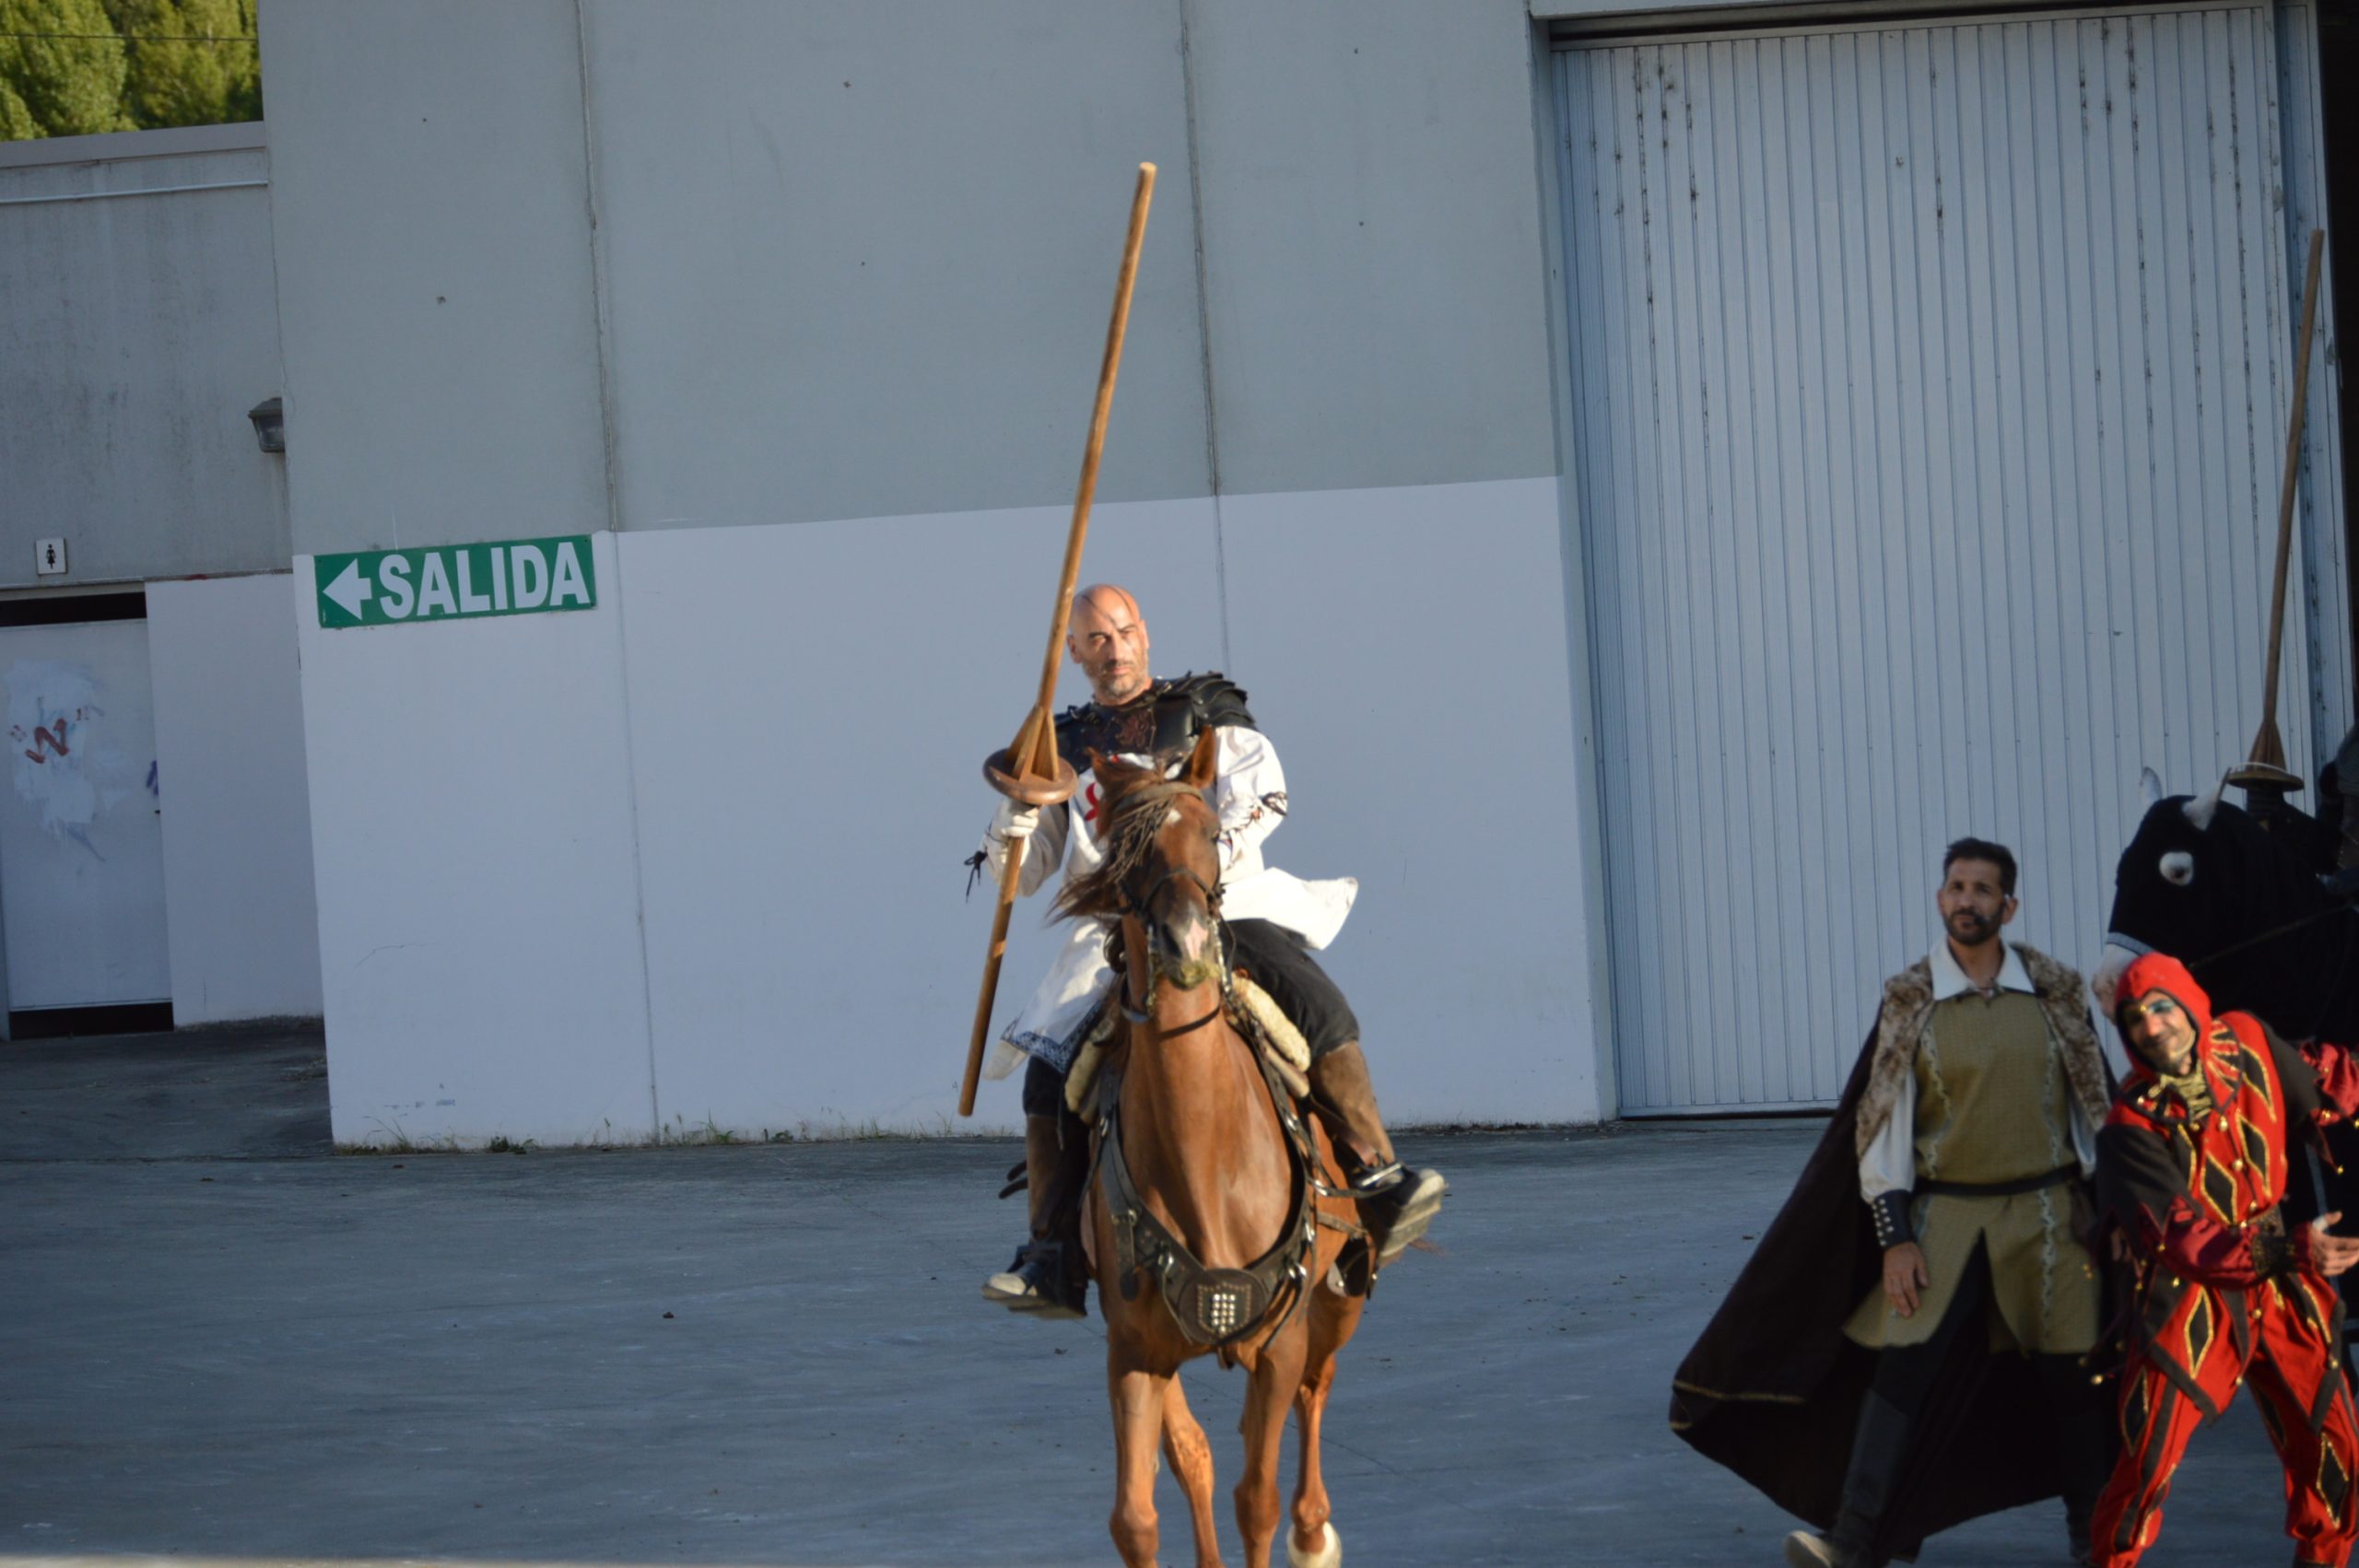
(1909, 1347)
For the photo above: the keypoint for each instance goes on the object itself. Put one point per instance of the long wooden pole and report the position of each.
(1034, 752)
(2267, 746)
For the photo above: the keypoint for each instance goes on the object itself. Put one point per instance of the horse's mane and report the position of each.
(1132, 803)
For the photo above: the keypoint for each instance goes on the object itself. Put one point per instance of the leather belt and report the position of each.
(2055, 1178)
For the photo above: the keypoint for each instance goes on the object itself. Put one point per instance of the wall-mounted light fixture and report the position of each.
(270, 423)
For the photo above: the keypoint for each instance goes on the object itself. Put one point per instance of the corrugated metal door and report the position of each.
(1929, 386)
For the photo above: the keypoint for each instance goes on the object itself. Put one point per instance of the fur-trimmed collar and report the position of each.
(1909, 1007)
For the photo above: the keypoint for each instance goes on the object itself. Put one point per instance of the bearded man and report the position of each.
(2194, 1160)
(1272, 921)
(1925, 1291)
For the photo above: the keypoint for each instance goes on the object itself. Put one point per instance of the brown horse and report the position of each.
(1207, 1157)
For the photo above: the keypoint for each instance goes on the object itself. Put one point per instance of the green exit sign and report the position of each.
(455, 583)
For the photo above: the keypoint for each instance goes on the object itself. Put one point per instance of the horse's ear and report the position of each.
(1203, 763)
(2149, 785)
(2201, 810)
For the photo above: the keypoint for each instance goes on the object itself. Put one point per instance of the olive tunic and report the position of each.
(1993, 1107)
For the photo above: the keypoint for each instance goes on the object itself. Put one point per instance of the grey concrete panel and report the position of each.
(433, 240)
(775, 1355)
(139, 329)
(1374, 268)
(858, 259)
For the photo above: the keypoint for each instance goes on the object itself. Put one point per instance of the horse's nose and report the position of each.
(1188, 932)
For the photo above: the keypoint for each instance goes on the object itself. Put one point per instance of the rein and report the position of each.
(2288, 929)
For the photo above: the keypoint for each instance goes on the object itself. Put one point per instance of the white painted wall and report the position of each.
(470, 823)
(810, 708)
(807, 730)
(240, 909)
(1405, 650)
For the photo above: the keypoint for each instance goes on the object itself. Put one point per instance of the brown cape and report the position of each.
(1772, 1389)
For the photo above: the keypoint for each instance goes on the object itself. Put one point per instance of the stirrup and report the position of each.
(1377, 1178)
(1399, 1214)
(1035, 1283)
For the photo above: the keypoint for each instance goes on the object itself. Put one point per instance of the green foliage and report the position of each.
(15, 120)
(189, 62)
(65, 85)
(72, 67)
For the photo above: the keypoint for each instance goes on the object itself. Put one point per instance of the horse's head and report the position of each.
(2199, 877)
(1161, 865)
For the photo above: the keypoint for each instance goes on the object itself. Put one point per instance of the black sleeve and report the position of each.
(2303, 1098)
(2136, 1175)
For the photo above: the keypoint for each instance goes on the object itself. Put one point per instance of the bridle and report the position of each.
(1141, 909)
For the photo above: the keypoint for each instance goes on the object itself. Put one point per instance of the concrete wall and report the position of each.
(840, 310)
(138, 331)
(1372, 250)
(857, 258)
(241, 923)
(431, 210)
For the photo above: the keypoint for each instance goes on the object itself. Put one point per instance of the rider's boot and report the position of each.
(1396, 1202)
(1879, 1448)
(1046, 1278)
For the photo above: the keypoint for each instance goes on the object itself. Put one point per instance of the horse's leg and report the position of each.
(1315, 1543)
(1277, 1371)
(1138, 1396)
(1191, 1462)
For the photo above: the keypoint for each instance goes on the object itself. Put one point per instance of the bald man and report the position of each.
(1274, 920)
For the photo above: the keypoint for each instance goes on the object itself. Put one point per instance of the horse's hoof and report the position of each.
(1329, 1555)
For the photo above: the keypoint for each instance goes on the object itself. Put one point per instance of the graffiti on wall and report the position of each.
(59, 758)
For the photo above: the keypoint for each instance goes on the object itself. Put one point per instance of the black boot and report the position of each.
(2083, 1421)
(1878, 1450)
(1397, 1203)
(1048, 1278)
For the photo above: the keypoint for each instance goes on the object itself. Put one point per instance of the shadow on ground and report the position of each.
(224, 1342)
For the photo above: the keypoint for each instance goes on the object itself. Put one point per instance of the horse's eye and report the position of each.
(2179, 868)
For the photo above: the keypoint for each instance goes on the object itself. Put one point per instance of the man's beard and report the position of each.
(1970, 929)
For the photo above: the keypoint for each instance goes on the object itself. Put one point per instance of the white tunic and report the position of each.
(1250, 798)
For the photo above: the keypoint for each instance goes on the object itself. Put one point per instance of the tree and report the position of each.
(190, 61)
(61, 70)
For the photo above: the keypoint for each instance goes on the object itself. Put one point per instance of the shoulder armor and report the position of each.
(1193, 704)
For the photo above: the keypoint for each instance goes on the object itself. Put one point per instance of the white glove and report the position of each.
(1012, 821)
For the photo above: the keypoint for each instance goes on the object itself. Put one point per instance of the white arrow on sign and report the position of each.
(350, 589)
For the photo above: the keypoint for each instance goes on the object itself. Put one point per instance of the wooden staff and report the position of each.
(1029, 770)
(2266, 767)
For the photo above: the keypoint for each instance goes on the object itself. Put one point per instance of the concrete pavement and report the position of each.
(220, 1340)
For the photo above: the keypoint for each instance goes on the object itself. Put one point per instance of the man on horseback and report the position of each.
(1273, 920)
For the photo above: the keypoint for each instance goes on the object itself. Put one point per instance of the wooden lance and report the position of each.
(1029, 770)
(2265, 769)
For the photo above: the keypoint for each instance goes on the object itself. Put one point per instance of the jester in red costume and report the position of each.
(2193, 1161)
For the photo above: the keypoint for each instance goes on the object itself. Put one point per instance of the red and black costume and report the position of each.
(2192, 1168)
